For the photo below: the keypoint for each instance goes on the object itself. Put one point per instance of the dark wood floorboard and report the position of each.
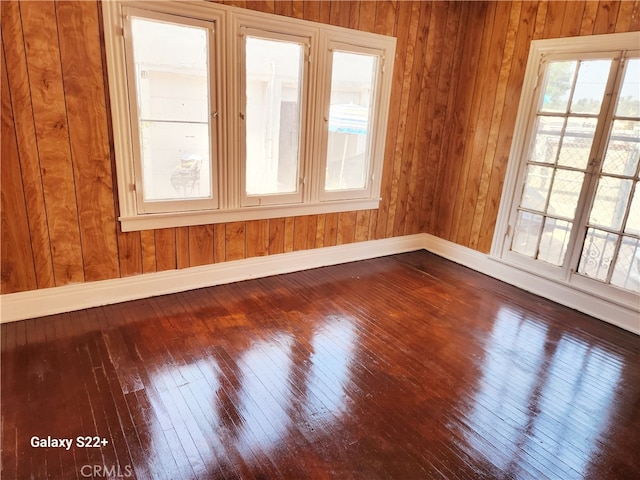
(404, 367)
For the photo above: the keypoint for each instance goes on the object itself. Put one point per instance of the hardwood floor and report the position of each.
(400, 367)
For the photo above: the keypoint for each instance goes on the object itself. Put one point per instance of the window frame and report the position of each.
(375, 145)
(246, 26)
(167, 206)
(232, 204)
(596, 46)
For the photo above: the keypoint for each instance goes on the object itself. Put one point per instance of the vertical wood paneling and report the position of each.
(300, 228)
(433, 69)
(554, 19)
(129, 253)
(27, 152)
(257, 238)
(52, 134)
(384, 11)
(362, 225)
(404, 203)
(200, 245)
(182, 247)
(572, 19)
(426, 37)
(367, 16)
(288, 234)
(606, 17)
(456, 84)
(148, 243)
(512, 92)
(346, 228)
(297, 8)
(276, 235)
(627, 15)
(476, 132)
(486, 128)
(86, 111)
(330, 229)
(219, 247)
(234, 240)
(320, 230)
(18, 270)
(588, 17)
(283, 7)
(165, 249)
(449, 115)
(443, 66)
(496, 118)
(340, 14)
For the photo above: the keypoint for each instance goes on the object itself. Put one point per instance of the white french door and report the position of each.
(575, 214)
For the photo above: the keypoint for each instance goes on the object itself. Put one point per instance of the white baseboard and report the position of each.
(559, 292)
(37, 303)
(49, 301)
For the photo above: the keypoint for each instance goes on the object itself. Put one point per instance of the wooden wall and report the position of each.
(456, 85)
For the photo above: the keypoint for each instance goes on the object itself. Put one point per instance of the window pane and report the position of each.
(610, 203)
(597, 254)
(273, 93)
(629, 99)
(547, 139)
(171, 71)
(576, 142)
(633, 221)
(536, 187)
(173, 160)
(623, 150)
(352, 93)
(590, 85)
(558, 86)
(554, 241)
(525, 238)
(626, 273)
(565, 192)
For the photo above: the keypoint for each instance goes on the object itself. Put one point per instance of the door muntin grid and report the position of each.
(569, 105)
(611, 246)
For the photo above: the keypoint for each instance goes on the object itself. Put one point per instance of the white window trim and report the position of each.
(502, 233)
(146, 207)
(376, 139)
(227, 20)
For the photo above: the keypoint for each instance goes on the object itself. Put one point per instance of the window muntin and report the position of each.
(237, 192)
(568, 209)
(169, 73)
(353, 80)
(570, 101)
(271, 118)
(611, 249)
(350, 120)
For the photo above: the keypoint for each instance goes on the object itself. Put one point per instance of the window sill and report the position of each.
(207, 217)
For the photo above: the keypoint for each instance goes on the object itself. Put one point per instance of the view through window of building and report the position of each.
(577, 205)
(225, 114)
(171, 65)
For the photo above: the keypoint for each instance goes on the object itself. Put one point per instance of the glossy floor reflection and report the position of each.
(401, 367)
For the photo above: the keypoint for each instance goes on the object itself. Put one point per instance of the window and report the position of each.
(223, 114)
(169, 69)
(274, 85)
(571, 208)
(349, 117)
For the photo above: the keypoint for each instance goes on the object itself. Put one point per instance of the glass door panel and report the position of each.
(558, 157)
(611, 250)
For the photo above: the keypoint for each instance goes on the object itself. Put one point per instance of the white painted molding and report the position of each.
(37, 303)
(562, 293)
(49, 301)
